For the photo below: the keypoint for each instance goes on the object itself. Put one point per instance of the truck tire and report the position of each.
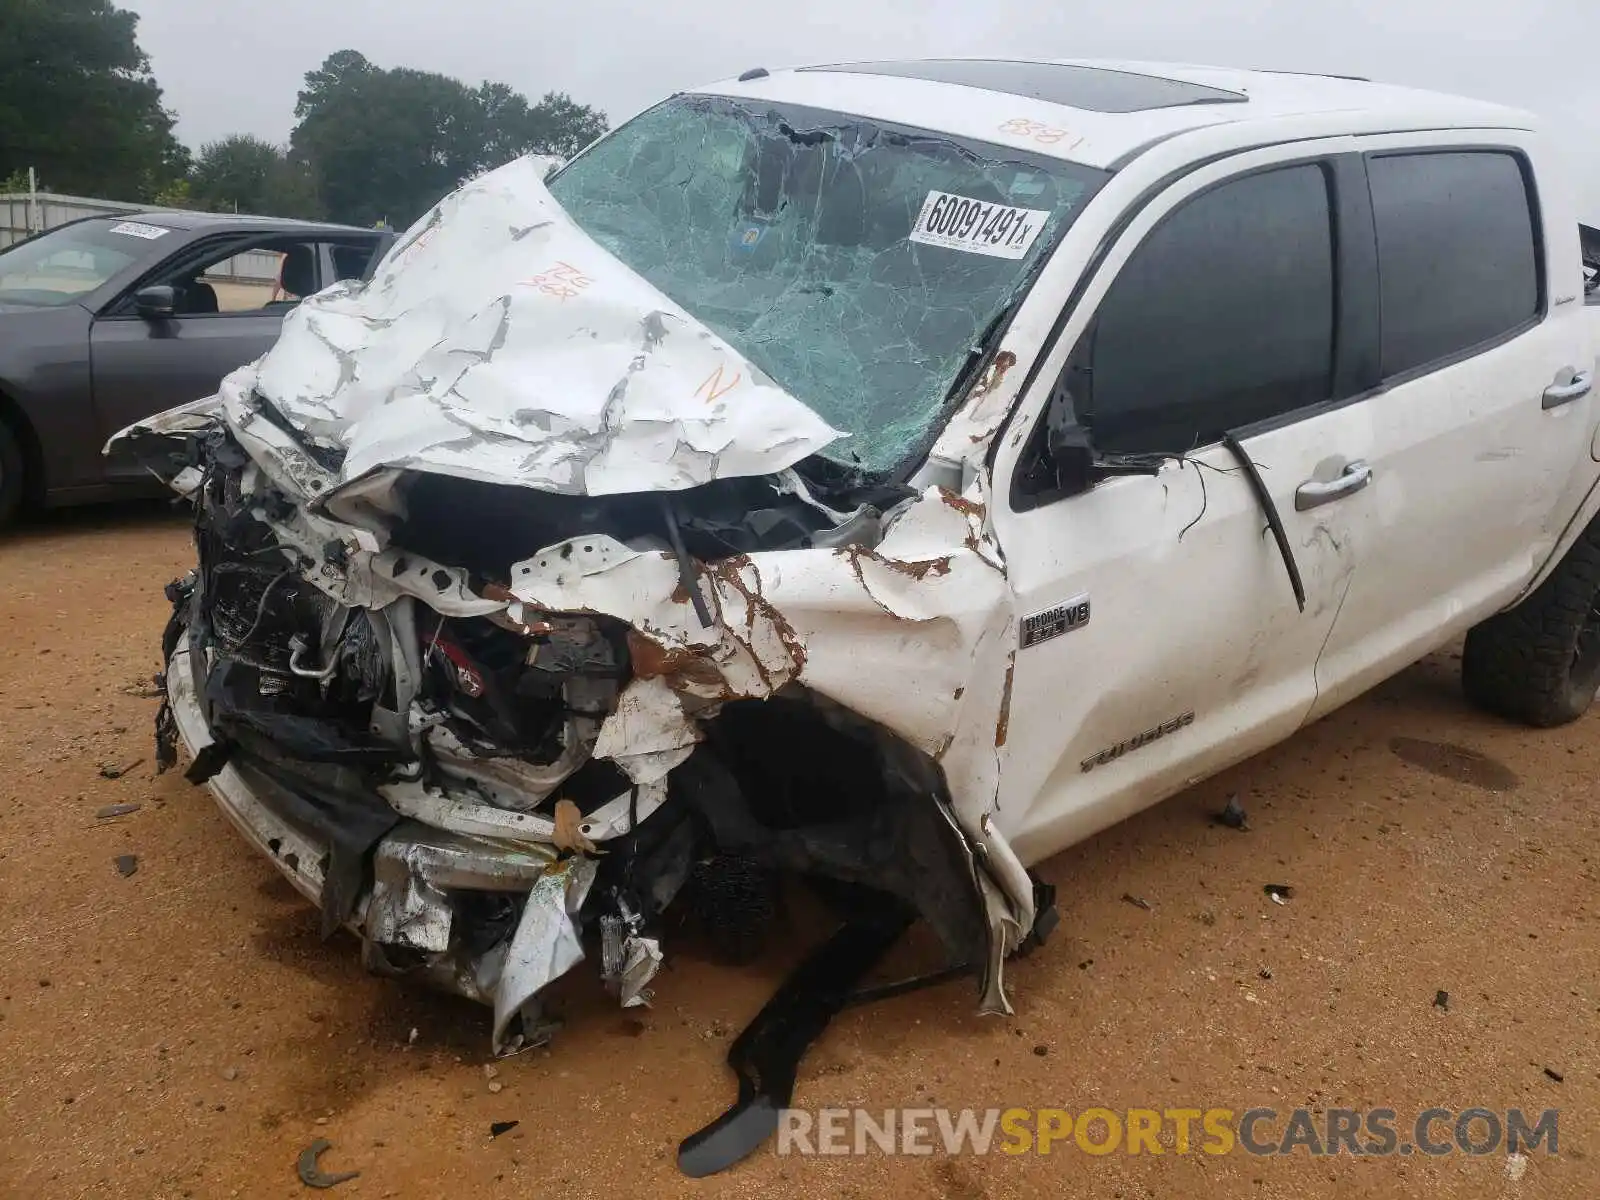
(12, 481)
(1539, 663)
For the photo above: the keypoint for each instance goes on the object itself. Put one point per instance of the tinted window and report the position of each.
(1222, 317)
(1456, 254)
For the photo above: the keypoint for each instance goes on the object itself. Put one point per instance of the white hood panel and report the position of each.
(498, 341)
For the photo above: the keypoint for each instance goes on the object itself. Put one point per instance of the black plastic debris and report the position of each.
(1041, 1050)
(1280, 892)
(1555, 1075)
(311, 1174)
(1233, 815)
(115, 810)
(1130, 898)
(1441, 999)
(496, 1128)
(126, 864)
(766, 1056)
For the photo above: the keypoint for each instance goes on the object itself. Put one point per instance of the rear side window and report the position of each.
(1222, 317)
(1457, 254)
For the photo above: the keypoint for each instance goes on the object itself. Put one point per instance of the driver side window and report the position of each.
(1223, 317)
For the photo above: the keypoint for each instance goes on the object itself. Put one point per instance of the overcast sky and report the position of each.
(234, 66)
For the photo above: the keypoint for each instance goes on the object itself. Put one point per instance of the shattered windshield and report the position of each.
(859, 265)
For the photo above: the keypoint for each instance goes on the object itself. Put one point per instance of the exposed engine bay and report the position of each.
(496, 714)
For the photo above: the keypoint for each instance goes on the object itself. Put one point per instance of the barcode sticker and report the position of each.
(977, 226)
(139, 229)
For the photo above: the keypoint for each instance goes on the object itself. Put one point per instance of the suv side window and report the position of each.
(1458, 257)
(1223, 317)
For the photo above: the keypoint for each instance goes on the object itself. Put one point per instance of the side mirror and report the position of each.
(1067, 446)
(156, 302)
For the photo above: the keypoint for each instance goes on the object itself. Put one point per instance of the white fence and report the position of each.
(23, 214)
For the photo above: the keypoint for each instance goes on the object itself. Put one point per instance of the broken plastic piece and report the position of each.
(115, 810)
(313, 1176)
(766, 1056)
(1233, 815)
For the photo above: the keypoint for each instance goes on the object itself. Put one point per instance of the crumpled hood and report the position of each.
(497, 341)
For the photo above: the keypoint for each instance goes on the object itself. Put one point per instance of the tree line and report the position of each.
(80, 105)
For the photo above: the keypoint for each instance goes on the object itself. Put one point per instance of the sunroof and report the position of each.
(1094, 88)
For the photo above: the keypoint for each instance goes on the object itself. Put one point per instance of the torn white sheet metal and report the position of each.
(641, 959)
(497, 341)
(930, 602)
(546, 944)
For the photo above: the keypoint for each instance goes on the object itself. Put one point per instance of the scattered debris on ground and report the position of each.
(1555, 1075)
(1233, 815)
(116, 810)
(126, 864)
(1130, 898)
(109, 771)
(1441, 999)
(496, 1128)
(311, 1174)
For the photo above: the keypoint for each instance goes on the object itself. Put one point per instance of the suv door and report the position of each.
(1160, 636)
(1480, 428)
(233, 294)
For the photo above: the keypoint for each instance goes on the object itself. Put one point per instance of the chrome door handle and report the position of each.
(1558, 394)
(1314, 492)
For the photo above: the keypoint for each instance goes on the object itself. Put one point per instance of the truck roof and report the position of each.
(1103, 110)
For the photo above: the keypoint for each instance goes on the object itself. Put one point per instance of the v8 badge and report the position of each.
(1053, 622)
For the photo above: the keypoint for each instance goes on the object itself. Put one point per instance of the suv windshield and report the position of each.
(58, 267)
(856, 263)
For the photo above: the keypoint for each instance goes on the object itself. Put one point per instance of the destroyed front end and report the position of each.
(484, 773)
(529, 605)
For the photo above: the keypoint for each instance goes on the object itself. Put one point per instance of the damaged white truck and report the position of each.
(887, 474)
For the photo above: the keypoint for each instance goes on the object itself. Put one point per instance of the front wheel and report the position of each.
(1539, 663)
(11, 475)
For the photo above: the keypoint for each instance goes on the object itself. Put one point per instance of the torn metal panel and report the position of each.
(546, 944)
(498, 341)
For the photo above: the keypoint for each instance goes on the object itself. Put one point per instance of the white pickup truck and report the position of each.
(887, 473)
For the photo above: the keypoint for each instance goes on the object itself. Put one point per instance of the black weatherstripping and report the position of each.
(1095, 89)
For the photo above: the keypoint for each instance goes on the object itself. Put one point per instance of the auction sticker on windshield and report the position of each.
(977, 226)
(140, 230)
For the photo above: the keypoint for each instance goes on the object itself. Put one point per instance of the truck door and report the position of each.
(1161, 638)
(1480, 425)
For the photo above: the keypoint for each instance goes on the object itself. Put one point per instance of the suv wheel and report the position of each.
(11, 475)
(1539, 663)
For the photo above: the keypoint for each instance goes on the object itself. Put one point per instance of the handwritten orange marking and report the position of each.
(714, 388)
(563, 281)
(1037, 131)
